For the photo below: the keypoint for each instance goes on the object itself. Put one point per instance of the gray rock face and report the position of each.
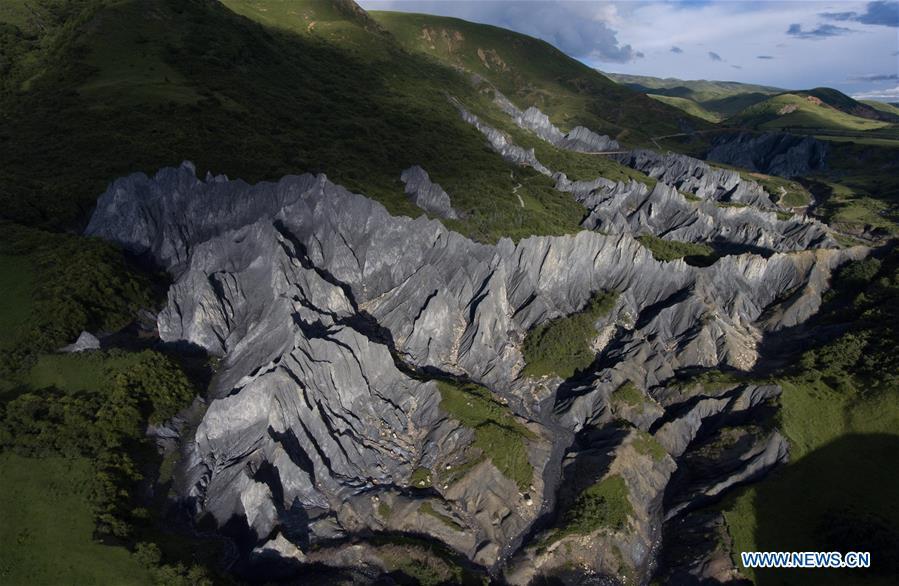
(502, 144)
(580, 138)
(663, 211)
(786, 155)
(696, 177)
(427, 195)
(328, 313)
(86, 341)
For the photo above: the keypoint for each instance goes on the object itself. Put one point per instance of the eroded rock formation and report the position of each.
(333, 319)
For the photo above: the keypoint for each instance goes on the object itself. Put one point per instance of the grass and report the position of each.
(414, 561)
(140, 85)
(60, 285)
(533, 73)
(627, 394)
(497, 433)
(844, 207)
(561, 347)
(16, 281)
(48, 526)
(688, 106)
(603, 505)
(577, 166)
(647, 445)
(840, 413)
(785, 192)
(882, 106)
(788, 110)
(668, 250)
(421, 478)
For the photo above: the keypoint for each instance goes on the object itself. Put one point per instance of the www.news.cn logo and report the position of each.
(805, 559)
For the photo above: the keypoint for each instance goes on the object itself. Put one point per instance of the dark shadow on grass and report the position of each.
(841, 497)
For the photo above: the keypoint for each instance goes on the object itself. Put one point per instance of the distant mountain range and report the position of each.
(764, 107)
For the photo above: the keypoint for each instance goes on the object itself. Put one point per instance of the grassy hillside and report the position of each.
(48, 526)
(803, 111)
(839, 412)
(699, 90)
(687, 105)
(721, 98)
(882, 106)
(844, 103)
(116, 87)
(531, 72)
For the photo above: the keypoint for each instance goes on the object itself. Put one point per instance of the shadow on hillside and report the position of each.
(841, 497)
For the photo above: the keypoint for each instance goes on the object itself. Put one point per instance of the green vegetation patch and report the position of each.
(688, 106)
(497, 433)
(71, 284)
(561, 346)
(48, 524)
(421, 477)
(668, 250)
(603, 505)
(627, 394)
(648, 445)
(416, 561)
(840, 412)
(98, 407)
(532, 72)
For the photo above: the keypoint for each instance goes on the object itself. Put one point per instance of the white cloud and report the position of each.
(610, 35)
(885, 95)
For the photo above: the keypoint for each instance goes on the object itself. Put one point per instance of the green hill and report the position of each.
(882, 106)
(688, 106)
(803, 111)
(532, 72)
(843, 103)
(720, 98)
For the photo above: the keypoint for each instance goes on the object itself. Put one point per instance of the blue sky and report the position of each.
(852, 46)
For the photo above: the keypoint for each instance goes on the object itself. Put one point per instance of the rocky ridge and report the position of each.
(333, 319)
(731, 212)
(427, 195)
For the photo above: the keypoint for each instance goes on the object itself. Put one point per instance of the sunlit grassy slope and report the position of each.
(804, 111)
(46, 536)
(533, 73)
(688, 106)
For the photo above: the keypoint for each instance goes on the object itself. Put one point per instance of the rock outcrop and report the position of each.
(86, 341)
(501, 143)
(580, 138)
(663, 211)
(697, 177)
(786, 155)
(333, 318)
(427, 195)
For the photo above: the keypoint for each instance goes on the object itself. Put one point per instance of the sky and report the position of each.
(851, 46)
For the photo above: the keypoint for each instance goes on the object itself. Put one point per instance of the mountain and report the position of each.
(295, 293)
(722, 98)
(688, 106)
(882, 106)
(808, 110)
(840, 101)
(534, 73)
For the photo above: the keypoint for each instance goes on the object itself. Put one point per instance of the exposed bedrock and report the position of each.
(500, 142)
(427, 195)
(781, 154)
(580, 138)
(697, 177)
(663, 211)
(332, 318)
